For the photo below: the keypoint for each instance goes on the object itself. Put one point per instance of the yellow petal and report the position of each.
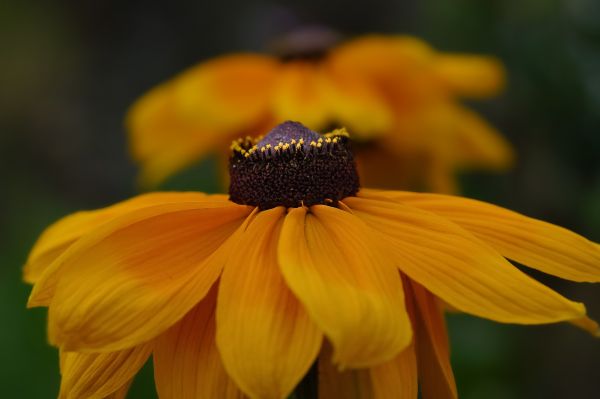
(266, 339)
(459, 268)
(68, 230)
(187, 364)
(300, 94)
(135, 276)
(398, 66)
(476, 143)
(330, 260)
(531, 242)
(60, 235)
(98, 375)
(435, 371)
(163, 140)
(228, 93)
(470, 75)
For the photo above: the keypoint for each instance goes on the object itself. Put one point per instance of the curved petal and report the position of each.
(435, 371)
(187, 364)
(399, 67)
(357, 105)
(396, 378)
(61, 234)
(300, 94)
(162, 140)
(470, 75)
(266, 339)
(336, 383)
(98, 375)
(134, 277)
(457, 267)
(476, 143)
(330, 260)
(228, 93)
(531, 242)
(82, 223)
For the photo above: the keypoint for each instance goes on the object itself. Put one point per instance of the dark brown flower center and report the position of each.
(292, 166)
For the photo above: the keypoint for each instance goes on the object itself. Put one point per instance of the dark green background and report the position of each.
(69, 69)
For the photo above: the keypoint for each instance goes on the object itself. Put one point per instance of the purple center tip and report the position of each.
(286, 132)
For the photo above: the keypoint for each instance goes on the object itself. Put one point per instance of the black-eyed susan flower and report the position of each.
(298, 269)
(398, 96)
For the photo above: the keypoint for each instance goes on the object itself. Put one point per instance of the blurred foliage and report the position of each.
(70, 69)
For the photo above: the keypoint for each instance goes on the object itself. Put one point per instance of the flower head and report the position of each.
(241, 296)
(398, 96)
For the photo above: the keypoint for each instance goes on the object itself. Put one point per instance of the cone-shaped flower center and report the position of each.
(292, 166)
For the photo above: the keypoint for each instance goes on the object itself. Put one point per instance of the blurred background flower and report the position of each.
(395, 93)
(70, 70)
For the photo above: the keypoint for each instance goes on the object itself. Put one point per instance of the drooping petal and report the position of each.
(137, 275)
(90, 221)
(531, 242)
(476, 143)
(470, 75)
(228, 93)
(163, 140)
(266, 339)
(459, 268)
(300, 94)
(398, 66)
(356, 104)
(396, 378)
(330, 260)
(187, 364)
(98, 375)
(60, 235)
(435, 371)
(336, 383)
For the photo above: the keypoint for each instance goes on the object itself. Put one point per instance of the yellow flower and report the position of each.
(398, 96)
(239, 296)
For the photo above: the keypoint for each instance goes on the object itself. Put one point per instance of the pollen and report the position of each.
(294, 167)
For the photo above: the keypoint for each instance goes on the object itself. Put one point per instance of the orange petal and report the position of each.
(266, 339)
(435, 371)
(300, 94)
(476, 143)
(347, 384)
(398, 66)
(187, 364)
(98, 375)
(163, 140)
(459, 268)
(135, 276)
(60, 235)
(330, 260)
(531, 242)
(228, 93)
(357, 105)
(396, 378)
(73, 228)
(470, 75)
